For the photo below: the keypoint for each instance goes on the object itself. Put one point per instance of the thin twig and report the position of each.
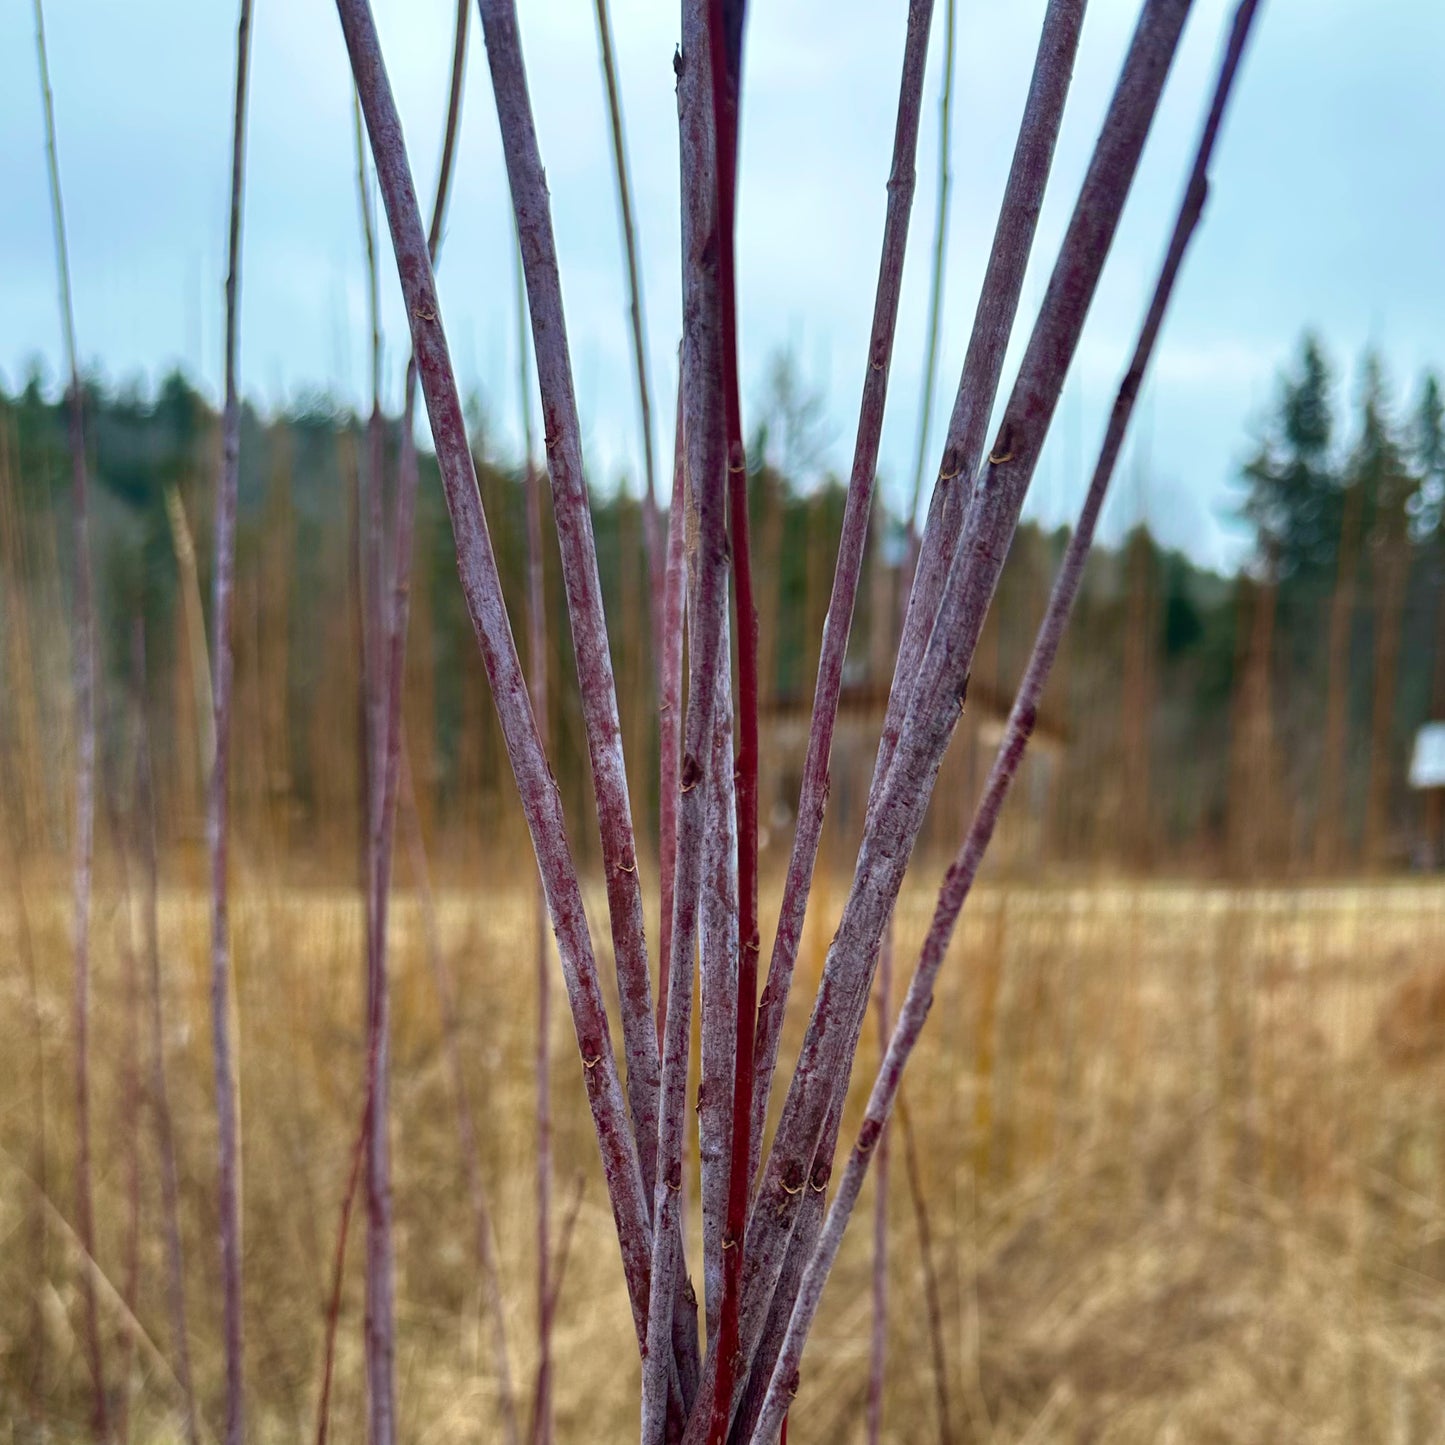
(669, 723)
(993, 322)
(380, 1308)
(562, 438)
(813, 797)
(718, 969)
(100, 1282)
(227, 1109)
(383, 680)
(917, 1194)
(84, 842)
(651, 522)
(725, 36)
(935, 280)
(878, 1344)
(704, 432)
(796, 1161)
(1020, 725)
(993, 325)
(541, 1432)
(487, 609)
(558, 1273)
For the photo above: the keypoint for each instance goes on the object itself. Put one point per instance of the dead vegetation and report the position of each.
(1180, 1185)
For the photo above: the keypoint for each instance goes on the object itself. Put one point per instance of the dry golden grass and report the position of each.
(1182, 1151)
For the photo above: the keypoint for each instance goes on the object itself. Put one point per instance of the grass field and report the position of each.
(1180, 1148)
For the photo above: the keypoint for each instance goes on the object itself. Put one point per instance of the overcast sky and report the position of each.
(1326, 212)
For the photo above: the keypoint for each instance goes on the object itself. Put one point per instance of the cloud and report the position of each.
(1326, 210)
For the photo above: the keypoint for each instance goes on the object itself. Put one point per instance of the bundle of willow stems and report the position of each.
(770, 1232)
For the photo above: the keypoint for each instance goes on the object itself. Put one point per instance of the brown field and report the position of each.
(1181, 1151)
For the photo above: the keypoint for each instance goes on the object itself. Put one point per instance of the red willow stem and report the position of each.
(84, 845)
(482, 1228)
(669, 724)
(704, 437)
(847, 574)
(219, 800)
(959, 880)
(993, 322)
(562, 437)
(381, 737)
(407, 468)
(718, 967)
(878, 1345)
(813, 795)
(372, 575)
(993, 325)
(486, 607)
(159, 1094)
(380, 1313)
(541, 1431)
(796, 1160)
(725, 24)
(651, 524)
(760, 1373)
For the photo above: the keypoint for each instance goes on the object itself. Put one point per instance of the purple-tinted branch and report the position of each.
(380, 1316)
(562, 437)
(651, 522)
(218, 811)
(814, 793)
(993, 322)
(775, 1329)
(993, 325)
(669, 722)
(487, 609)
(706, 500)
(964, 870)
(718, 967)
(795, 1162)
(84, 843)
(541, 1432)
(725, 37)
(878, 1344)
(380, 717)
(407, 470)
(145, 812)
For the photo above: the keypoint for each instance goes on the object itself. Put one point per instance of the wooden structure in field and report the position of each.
(785, 722)
(1427, 777)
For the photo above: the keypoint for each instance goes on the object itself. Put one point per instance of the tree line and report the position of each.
(1253, 722)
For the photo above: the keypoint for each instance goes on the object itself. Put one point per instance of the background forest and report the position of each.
(1295, 687)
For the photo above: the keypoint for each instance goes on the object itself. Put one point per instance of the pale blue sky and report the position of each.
(1327, 211)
